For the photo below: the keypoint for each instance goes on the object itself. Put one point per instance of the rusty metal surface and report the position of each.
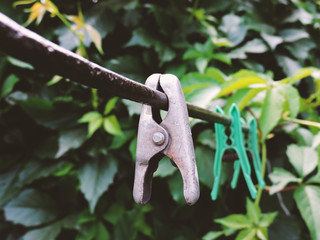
(170, 136)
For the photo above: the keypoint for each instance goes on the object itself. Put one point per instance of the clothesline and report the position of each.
(48, 57)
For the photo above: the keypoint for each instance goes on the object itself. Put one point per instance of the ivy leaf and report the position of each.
(95, 178)
(71, 139)
(272, 109)
(47, 233)
(281, 178)
(95, 37)
(141, 38)
(101, 232)
(165, 168)
(307, 199)
(242, 79)
(273, 41)
(110, 105)
(54, 115)
(247, 234)
(205, 165)
(112, 126)
(262, 233)
(253, 211)
(288, 65)
(292, 99)
(31, 208)
(9, 185)
(292, 35)
(114, 213)
(8, 85)
(303, 159)
(19, 63)
(212, 235)
(267, 218)
(235, 221)
(232, 26)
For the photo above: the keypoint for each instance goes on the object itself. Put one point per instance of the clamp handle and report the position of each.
(171, 137)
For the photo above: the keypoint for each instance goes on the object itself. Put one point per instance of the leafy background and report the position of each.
(67, 152)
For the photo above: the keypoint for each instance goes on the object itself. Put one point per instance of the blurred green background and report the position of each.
(67, 152)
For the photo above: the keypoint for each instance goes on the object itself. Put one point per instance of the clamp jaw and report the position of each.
(170, 136)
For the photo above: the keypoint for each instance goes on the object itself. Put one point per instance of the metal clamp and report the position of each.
(170, 136)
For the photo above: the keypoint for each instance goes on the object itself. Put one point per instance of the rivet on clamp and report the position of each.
(170, 136)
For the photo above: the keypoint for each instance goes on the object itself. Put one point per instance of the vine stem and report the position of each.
(263, 170)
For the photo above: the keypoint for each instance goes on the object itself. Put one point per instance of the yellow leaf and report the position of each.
(24, 2)
(95, 37)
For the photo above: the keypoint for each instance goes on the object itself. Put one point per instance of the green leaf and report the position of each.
(111, 125)
(46, 233)
(8, 85)
(71, 139)
(262, 233)
(303, 159)
(216, 74)
(222, 57)
(110, 105)
(212, 235)
(31, 208)
(267, 219)
(19, 63)
(176, 187)
(300, 14)
(114, 213)
(236, 221)
(95, 178)
(89, 117)
(273, 41)
(101, 232)
(292, 35)
(255, 46)
(54, 115)
(165, 168)
(232, 26)
(205, 165)
(55, 79)
(280, 178)
(242, 79)
(95, 37)
(301, 48)
(247, 234)
(201, 64)
(140, 37)
(119, 140)
(242, 97)
(307, 199)
(253, 211)
(94, 125)
(271, 110)
(288, 65)
(292, 99)
(10, 186)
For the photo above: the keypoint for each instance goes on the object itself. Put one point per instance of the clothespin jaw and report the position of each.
(237, 144)
(170, 136)
(253, 149)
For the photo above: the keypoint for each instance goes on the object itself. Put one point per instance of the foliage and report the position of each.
(67, 152)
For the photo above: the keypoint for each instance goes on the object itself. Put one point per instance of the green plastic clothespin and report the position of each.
(237, 144)
(252, 147)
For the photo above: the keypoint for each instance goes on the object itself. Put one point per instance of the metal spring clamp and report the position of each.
(170, 136)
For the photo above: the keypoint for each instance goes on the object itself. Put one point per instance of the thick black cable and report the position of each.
(48, 57)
